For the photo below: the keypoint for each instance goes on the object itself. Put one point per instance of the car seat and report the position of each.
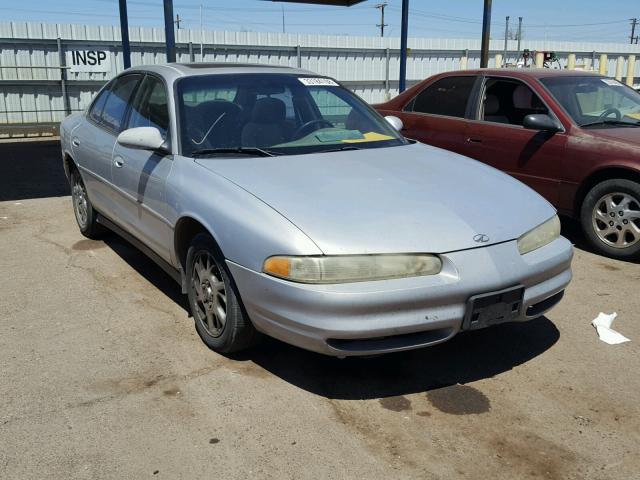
(267, 125)
(492, 110)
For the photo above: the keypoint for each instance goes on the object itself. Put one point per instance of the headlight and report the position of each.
(351, 268)
(539, 236)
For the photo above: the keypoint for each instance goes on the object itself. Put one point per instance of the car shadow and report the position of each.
(468, 357)
(147, 268)
(31, 169)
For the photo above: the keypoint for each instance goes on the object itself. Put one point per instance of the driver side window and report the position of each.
(150, 108)
(509, 101)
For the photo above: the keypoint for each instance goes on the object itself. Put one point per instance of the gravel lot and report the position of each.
(103, 376)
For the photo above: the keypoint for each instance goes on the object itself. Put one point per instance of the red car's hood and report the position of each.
(622, 134)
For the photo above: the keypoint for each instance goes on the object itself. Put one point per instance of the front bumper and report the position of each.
(368, 318)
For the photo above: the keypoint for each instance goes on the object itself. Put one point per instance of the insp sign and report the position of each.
(89, 60)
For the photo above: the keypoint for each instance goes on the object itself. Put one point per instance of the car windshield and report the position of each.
(275, 114)
(596, 101)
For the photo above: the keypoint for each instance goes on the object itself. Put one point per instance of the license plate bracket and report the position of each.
(493, 308)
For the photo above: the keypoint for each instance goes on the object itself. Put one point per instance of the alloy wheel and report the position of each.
(210, 294)
(616, 220)
(79, 196)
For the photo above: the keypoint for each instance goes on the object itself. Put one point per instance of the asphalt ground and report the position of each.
(103, 376)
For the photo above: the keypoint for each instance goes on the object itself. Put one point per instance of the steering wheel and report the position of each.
(305, 126)
(608, 112)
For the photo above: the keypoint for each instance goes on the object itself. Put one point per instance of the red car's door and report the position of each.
(436, 115)
(498, 138)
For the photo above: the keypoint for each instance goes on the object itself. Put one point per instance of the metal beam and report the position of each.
(486, 31)
(170, 37)
(124, 34)
(404, 32)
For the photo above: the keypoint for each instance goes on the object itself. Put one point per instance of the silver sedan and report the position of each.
(285, 205)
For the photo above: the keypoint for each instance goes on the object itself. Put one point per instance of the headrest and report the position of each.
(491, 105)
(522, 97)
(269, 110)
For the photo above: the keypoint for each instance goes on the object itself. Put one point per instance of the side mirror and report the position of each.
(395, 122)
(143, 138)
(541, 121)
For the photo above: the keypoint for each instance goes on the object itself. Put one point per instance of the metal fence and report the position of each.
(38, 88)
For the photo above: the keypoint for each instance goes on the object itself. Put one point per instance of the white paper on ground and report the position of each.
(602, 324)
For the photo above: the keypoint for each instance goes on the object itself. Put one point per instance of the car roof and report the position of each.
(528, 72)
(190, 69)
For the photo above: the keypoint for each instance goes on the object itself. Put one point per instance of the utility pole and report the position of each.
(634, 38)
(283, 29)
(506, 39)
(381, 6)
(519, 33)
(178, 21)
(201, 37)
(486, 32)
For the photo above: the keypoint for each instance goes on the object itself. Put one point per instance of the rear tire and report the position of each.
(610, 217)
(219, 317)
(86, 216)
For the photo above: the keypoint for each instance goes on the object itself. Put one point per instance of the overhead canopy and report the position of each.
(341, 3)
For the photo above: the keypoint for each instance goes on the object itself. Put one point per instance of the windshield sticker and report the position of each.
(613, 83)
(317, 82)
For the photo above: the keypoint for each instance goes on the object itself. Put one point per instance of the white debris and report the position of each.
(602, 324)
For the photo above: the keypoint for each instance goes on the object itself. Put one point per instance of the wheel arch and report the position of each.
(68, 164)
(605, 173)
(186, 228)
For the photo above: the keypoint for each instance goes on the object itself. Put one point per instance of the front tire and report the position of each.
(219, 317)
(86, 216)
(610, 217)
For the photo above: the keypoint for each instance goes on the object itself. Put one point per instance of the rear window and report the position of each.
(448, 96)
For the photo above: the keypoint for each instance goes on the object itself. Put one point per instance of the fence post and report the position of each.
(192, 55)
(299, 55)
(619, 67)
(539, 59)
(631, 66)
(386, 74)
(464, 60)
(498, 60)
(603, 68)
(571, 61)
(63, 77)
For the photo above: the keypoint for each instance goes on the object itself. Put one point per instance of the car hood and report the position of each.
(413, 198)
(629, 135)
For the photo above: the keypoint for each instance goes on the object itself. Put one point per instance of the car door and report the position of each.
(498, 138)
(93, 140)
(437, 114)
(139, 176)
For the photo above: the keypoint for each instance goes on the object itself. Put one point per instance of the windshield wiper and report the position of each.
(342, 149)
(612, 122)
(253, 151)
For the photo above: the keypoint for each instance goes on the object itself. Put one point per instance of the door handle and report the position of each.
(474, 140)
(118, 162)
(75, 142)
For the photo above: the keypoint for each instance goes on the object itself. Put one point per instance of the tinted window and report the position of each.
(150, 107)
(117, 101)
(98, 105)
(448, 96)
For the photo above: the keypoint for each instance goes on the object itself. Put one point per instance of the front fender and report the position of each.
(246, 229)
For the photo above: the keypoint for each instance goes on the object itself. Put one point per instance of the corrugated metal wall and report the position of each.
(34, 94)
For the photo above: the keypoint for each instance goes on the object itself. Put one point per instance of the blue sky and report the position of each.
(575, 20)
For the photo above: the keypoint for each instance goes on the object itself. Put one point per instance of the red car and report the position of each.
(572, 136)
